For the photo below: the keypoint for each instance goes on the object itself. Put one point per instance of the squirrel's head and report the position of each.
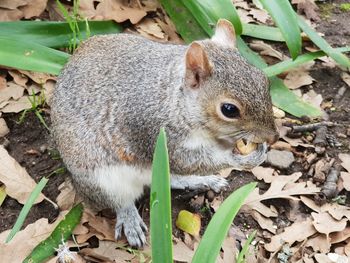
(231, 96)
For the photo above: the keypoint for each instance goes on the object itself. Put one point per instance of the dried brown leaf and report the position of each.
(3, 128)
(325, 223)
(109, 251)
(298, 231)
(25, 240)
(266, 50)
(148, 27)
(319, 243)
(65, 199)
(264, 222)
(264, 173)
(341, 236)
(346, 78)
(298, 78)
(18, 77)
(18, 182)
(12, 90)
(345, 177)
(116, 10)
(260, 15)
(38, 77)
(345, 158)
(281, 187)
(181, 252)
(16, 106)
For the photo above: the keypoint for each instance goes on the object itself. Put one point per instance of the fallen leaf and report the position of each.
(189, 222)
(16, 106)
(341, 236)
(25, 240)
(229, 250)
(346, 78)
(298, 231)
(312, 97)
(38, 77)
(244, 16)
(3, 128)
(102, 225)
(345, 158)
(33, 8)
(264, 222)
(17, 9)
(281, 187)
(18, 182)
(116, 10)
(18, 77)
(322, 258)
(307, 7)
(2, 194)
(325, 223)
(343, 175)
(109, 251)
(260, 15)
(298, 78)
(319, 243)
(278, 113)
(66, 197)
(149, 27)
(12, 90)
(266, 50)
(264, 173)
(181, 252)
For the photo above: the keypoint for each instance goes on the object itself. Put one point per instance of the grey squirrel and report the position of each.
(117, 91)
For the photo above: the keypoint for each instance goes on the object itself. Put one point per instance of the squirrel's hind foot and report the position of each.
(129, 220)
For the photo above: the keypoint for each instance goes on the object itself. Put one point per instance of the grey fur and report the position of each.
(117, 91)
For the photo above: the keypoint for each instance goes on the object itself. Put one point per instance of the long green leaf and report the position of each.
(322, 44)
(160, 203)
(31, 56)
(207, 12)
(285, 18)
(281, 96)
(219, 225)
(289, 64)
(53, 34)
(63, 230)
(27, 206)
(185, 24)
(262, 32)
(243, 253)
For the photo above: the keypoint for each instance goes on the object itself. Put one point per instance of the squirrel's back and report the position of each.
(110, 92)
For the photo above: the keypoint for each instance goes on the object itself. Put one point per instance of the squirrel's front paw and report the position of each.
(129, 219)
(215, 183)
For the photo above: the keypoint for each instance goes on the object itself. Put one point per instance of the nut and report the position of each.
(245, 148)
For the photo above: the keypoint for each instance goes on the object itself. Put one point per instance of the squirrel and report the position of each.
(117, 91)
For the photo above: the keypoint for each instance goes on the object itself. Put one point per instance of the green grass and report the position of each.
(345, 7)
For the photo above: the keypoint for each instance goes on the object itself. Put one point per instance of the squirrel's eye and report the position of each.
(229, 110)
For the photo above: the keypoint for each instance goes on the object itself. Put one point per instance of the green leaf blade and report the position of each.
(208, 12)
(63, 230)
(219, 225)
(323, 44)
(54, 34)
(160, 203)
(26, 208)
(31, 56)
(286, 19)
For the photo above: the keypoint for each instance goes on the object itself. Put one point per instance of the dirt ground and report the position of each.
(31, 145)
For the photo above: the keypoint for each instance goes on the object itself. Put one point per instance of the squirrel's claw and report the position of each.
(129, 220)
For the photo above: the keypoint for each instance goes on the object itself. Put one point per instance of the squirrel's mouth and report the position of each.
(245, 147)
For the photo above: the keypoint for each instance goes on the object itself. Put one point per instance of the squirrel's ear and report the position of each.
(225, 34)
(197, 65)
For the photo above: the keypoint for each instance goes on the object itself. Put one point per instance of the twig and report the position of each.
(312, 126)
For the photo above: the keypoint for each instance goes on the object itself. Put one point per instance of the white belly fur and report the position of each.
(123, 183)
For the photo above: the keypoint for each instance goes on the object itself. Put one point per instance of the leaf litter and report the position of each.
(312, 230)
